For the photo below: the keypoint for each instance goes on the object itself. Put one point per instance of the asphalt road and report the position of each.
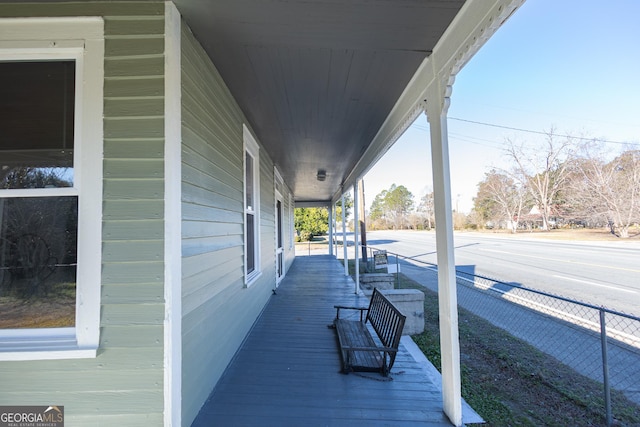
(603, 274)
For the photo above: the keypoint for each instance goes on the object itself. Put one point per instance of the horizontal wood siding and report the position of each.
(124, 384)
(218, 310)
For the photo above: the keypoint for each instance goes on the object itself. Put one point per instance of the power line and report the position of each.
(539, 132)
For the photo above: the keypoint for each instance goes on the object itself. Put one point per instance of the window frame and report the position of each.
(252, 149)
(80, 40)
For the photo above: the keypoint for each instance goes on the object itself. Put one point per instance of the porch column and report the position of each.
(331, 229)
(436, 110)
(344, 237)
(335, 229)
(356, 258)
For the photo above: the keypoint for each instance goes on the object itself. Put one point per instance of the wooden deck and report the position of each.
(288, 371)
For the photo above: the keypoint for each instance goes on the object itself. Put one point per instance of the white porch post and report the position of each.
(437, 105)
(331, 229)
(173, 218)
(344, 237)
(335, 229)
(356, 258)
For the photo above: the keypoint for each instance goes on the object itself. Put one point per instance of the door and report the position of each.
(279, 240)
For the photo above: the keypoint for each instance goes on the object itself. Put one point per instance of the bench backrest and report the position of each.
(386, 320)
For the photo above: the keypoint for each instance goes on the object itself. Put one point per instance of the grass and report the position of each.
(578, 234)
(56, 309)
(317, 243)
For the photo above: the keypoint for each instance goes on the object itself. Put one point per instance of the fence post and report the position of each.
(605, 368)
(397, 273)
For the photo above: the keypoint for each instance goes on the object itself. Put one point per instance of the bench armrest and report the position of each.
(345, 307)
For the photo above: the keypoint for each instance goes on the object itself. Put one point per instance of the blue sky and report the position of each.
(573, 65)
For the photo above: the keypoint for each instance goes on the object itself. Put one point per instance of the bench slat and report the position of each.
(358, 349)
(355, 334)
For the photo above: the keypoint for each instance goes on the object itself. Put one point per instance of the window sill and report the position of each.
(252, 279)
(44, 348)
(48, 354)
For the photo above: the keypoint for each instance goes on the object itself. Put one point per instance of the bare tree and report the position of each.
(427, 209)
(503, 197)
(609, 191)
(543, 169)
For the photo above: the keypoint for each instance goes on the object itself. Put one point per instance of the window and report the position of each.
(251, 208)
(50, 187)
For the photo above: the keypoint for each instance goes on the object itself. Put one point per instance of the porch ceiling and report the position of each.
(317, 79)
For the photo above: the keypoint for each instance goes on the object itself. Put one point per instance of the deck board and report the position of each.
(287, 372)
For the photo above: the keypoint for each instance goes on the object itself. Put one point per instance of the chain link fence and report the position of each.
(599, 343)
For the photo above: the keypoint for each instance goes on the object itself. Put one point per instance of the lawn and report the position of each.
(510, 383)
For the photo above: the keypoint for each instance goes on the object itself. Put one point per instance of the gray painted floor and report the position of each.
(288, 371)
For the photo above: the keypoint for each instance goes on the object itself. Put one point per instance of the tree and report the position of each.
(38, 235)
(348, 205)
(377, 209)
(33, 177)
(391, 207)
(427, 209)
(543, 170)
(501, 197)
(310, 222)
(609, 191)
(485, 207)
(398, 203)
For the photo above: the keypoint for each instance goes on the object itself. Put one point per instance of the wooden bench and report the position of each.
(359, 350)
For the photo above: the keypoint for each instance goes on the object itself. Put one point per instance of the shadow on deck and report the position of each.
(287, 373)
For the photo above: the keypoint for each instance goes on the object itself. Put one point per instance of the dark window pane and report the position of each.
(37, 102)
(279, 220)
(38, 254)
(251, 244)
(248, 180)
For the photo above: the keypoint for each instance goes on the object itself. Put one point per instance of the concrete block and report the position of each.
(381, 281)
(410, 302)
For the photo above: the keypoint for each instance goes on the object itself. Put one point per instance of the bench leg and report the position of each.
(385, 369)
(346, 363)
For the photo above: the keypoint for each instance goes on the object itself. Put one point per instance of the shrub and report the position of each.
(305, 236)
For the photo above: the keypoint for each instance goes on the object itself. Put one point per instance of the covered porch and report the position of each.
(287, 372)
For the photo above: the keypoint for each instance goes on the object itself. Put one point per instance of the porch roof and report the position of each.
(287, 371)
(318, 79)
(329, 85)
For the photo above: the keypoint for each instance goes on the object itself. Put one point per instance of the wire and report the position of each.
(539, 132)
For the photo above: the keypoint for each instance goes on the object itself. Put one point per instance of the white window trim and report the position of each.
(253, 149)
(81, 40)
(292, 230)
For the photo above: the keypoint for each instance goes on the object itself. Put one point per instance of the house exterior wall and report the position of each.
(218, 308)
(123, 385)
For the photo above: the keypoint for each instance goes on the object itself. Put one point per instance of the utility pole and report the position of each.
(362, 219)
